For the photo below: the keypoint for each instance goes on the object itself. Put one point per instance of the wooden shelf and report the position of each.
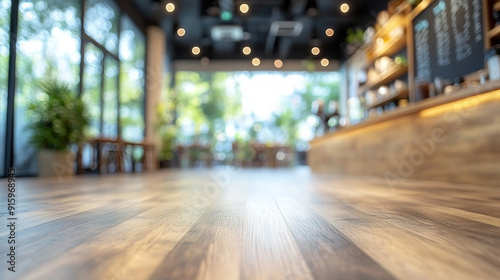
(495, 32)
(395, 21)
(388, 99)
(415, 108)
(496, 6)
(373, 51)
(386, 77)
(388, 49)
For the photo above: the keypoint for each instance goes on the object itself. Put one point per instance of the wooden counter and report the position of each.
(449, 138)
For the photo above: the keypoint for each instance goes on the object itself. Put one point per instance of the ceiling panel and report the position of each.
(197, 17)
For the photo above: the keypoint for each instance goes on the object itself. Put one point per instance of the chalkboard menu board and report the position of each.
(448, 39)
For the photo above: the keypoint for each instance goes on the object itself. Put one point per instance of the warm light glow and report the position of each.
(255, 62)
(380, 41)
(315, 50)
(329, 32)
(325, 62)
(196, 50)
(170, 7)
(247, 50)
(383, 90)
(278, 63)
(244, 8)
(344, 8)
(181, 32)
(462, 107)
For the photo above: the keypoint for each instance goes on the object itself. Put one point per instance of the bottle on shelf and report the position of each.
(421, 89)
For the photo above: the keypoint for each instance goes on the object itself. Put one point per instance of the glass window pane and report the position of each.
(4, 67)
(92, 78)
(110, 98)
(48, 48)
(101, 23)
(132, 54)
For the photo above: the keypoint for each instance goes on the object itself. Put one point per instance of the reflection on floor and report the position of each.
(251, 224)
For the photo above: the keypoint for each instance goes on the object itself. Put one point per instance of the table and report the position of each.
(107, 152)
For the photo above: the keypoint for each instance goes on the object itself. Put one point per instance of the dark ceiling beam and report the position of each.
(285, 46)
(226, 5)
(297, 7)
(329, 19)
(271, 38)
(294, 9)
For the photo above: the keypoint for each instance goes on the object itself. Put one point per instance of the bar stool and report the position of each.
(111, 155)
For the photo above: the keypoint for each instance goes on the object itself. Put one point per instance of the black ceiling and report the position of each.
(198, 17)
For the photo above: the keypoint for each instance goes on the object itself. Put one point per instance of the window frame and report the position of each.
(123, 11)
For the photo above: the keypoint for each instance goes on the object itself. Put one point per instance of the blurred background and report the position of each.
(143, 72)
(242, 118)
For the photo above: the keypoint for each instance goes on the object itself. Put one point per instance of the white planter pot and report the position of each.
(54, 163)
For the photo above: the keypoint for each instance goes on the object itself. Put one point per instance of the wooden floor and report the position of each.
(251, 224)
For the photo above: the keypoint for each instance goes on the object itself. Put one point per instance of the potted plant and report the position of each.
(354, 39)
(59, 119)
(167, 150)
(167, 132)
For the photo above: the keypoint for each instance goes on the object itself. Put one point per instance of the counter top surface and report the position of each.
(415, 108)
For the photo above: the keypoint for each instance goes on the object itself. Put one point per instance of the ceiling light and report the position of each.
(344, 8)
(329, 32)
(255, 62)
(244, 8)
(325, 62)
(196, 50)
(247, 50)
(170, 7)
(286, 28)
(315, 50)
(227, 33)
(278, 63)
(181, 32)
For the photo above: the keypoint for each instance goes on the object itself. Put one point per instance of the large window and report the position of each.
(49, 41)
(114, 62)
(264, 107)
(100, 78)
(132, 51)
(101, 23)
(92, 87)
(110, 98)
(245, 117)
(101, 92)
(4, 63)
(48, 49)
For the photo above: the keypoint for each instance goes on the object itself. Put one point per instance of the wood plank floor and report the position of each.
(250, 224)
